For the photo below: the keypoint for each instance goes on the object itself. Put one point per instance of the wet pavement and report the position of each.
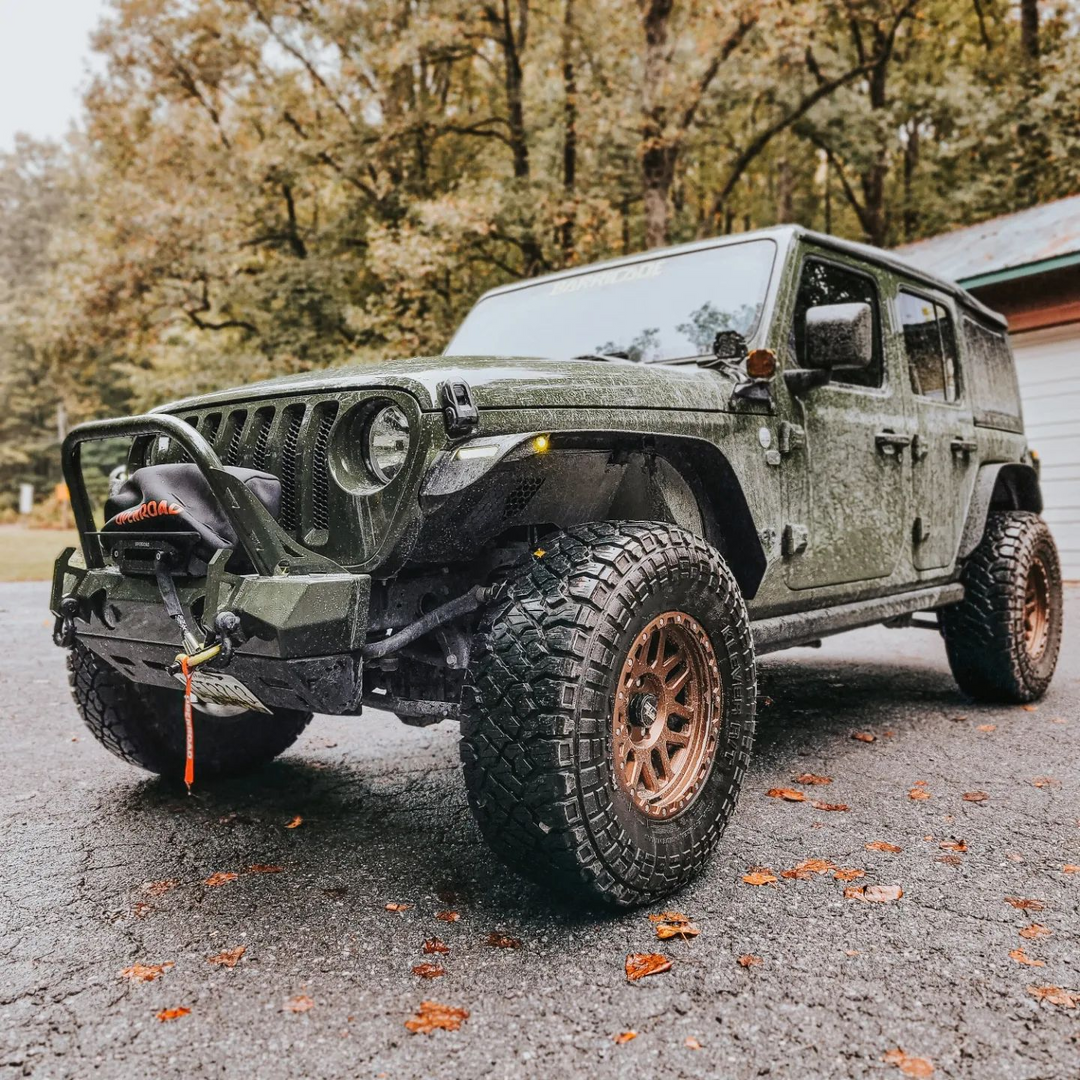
(325, 984)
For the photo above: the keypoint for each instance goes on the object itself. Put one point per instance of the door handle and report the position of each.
(891, 442)
(963, 446)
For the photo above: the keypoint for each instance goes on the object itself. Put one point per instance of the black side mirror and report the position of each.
(839, 336)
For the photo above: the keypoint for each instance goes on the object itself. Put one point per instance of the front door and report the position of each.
(846, 449)
(944, 462)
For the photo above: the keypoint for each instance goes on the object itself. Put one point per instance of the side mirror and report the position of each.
(839, 336)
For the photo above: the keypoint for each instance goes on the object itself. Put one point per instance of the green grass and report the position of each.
(28, 554)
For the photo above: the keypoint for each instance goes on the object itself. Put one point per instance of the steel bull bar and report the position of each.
(302, 617)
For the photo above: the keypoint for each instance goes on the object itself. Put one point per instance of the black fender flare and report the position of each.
(1008, 485)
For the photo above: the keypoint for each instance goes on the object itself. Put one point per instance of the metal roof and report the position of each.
(1016, 245)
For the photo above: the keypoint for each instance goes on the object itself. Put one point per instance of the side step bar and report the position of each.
(803, 627)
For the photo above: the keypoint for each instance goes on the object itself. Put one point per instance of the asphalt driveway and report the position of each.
(103, 868)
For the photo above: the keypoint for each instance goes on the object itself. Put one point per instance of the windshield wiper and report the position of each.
(602, 356)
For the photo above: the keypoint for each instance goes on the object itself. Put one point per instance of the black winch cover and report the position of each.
(162, 499)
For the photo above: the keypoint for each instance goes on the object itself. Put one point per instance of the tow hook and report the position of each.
(64, 628)
(228, 632)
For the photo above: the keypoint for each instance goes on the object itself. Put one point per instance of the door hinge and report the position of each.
(795, 539)
(919, 449)
(460, 414)
(792, 437)
(920, 531)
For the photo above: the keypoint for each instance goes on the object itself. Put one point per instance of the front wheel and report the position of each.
(1003, 638)
(609, 711)
(144, 725)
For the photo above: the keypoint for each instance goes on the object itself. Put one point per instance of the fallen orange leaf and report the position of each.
(807, 868)
(848, 875)
(670, 930)
(1035, 930)
(434, 945)
(883, 845)
(987, 727)
(638, 965)
(431, 1016)
(141, 909)
(1070, 868)
(975, 796)
(145, 972)
(158, 888)
(812, 778)
(864, 736)
(918, 793)
(447, 916)
(829, 805)
(908, 1065)
(227, 957)
(785, 793)
(264, 868)
(670, 917)
(173, 1014)
(429, 971)
(874, 894)
(625, 1037)
(1022, 957)
(953, 845)
(503, 941)
(749, 960)
(691, 1043)
(1044, 781)
(1024, 905)
(1056, 996)
(398, 908)
(1030, 708)
(299, 1004)
(295, 823)
(222, 877)
(760, 875)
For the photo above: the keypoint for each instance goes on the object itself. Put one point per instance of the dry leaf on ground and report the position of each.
(447, 916)
(808, 868)
(691, 1043)
(227, 957)
(759, 875)
(638, 965)
(431, 1016)
(145, 972)
(1024, 905)
(299, 1004)
(1056, 996)
(434, 945)
(264, 868)
(1045, 781)
(848, 874)
(975, 796)
(950, 860)
(918, 794)
(953, 845)
(1030, 708)
(863, 736)
(874, 894)
(785, 793)
(908, 1065)
(1022, 957)
(141, 909)
(987, 727)
(812, 778)
(625, 1037)
(749, 960)
(817, 805)
(428, 971)
(1070, 868)
(670, 917)
(295, 823)
(222, 877)
(503, 941)
(159, 888)
(1035, 930)
(883, 845)
(397, 908)
(173, 1014)
(664, 931)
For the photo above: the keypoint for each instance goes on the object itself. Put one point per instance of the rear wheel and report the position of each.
(609, 711)
(144, 725)
(1003, 638)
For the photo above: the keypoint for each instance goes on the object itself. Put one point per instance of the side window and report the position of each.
(824, 282)
(930, 342)
(991, 374)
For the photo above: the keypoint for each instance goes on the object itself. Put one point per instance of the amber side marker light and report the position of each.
(761, 364)
(541, 444)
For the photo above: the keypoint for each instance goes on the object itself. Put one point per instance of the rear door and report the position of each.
(846, 472)
(943, 451)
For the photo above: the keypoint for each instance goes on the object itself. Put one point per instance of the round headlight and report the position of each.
(387, 443)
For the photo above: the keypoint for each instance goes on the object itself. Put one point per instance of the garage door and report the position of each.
(1048, 364)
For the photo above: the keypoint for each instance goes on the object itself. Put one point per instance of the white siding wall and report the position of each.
(1048, 364)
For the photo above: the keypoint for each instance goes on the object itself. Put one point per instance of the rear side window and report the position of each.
(991, 376)
(930, 342)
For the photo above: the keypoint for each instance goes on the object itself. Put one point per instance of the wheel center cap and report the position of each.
(643, 710)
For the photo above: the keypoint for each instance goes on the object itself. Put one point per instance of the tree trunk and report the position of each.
(657, 157)
(569, 130)
(1029, 28)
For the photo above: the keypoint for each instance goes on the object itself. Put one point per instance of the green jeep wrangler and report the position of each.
(574, 531)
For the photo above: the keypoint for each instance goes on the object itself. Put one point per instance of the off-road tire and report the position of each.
(144, 725)
(985, 635)
(538, 703)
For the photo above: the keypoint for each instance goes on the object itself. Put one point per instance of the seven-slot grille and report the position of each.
(290, 440)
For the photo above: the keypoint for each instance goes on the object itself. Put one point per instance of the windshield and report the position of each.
(656, 311)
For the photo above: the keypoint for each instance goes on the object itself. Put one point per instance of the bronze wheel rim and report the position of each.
(1036, 610)
(666, 717)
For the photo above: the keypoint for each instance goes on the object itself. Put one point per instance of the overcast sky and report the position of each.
(44, 53)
